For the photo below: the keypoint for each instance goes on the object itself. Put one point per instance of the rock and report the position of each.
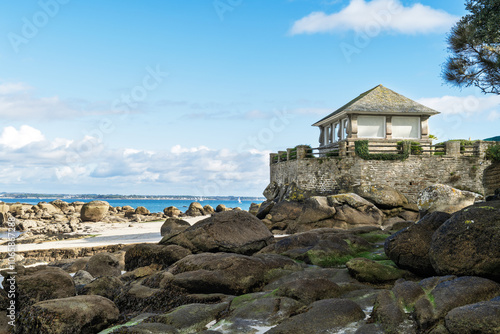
(173, 226)
(230, 231)
(495, 197)
(127, 208)
(451, 294)
(308, 291)
(103, 264)
(39, 284)
(388, 312)
(82, 277)
(105, 286)
(355, 211)
(48, 208)
(283, 212)
(272, 191)
(147, 328)
(4, 207)
(140, 210)
(80, 314)
(94, 211)
(195, 210)
(208, 209)
(254, 208)
(382, 196)
(316, 209)
(191, 318)
(483, 317)
(257, 311)
(221, 208)
(409, 248)
(172, 211)
(265, 209)
(365, 270)
(321, 317)
(440, 197)
(469, 242)
(143, 255)
(227, 273)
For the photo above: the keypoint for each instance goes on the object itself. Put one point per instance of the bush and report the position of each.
(416, 147)
(493, 153)
(362, 150)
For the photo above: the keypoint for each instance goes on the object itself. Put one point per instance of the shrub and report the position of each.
(362, 150)
(416, 147)
(493, 153)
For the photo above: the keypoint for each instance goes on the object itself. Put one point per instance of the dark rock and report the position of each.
(39, 284)
(105, 286)
(227, 273)
(173, 226)
(365, 270)
(147, 328)
(321, 316)
(103, 264)
(80, 314)
(82, 277)
(265, 208)
(469, 242)
(409, 248)
(483, 317)
(308, 291)
(254, 208)
(230, 231)
(272, 191)
(191, 318)
(143, 255)
(387, 311)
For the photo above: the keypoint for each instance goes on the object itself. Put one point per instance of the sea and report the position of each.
(153, 205)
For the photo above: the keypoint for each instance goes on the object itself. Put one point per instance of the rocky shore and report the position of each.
(365, 261)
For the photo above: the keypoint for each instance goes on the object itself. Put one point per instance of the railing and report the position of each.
(347, 148)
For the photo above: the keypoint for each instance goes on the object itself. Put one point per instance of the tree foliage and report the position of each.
(474, 43)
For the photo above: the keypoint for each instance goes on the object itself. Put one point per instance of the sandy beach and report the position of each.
(108, 234)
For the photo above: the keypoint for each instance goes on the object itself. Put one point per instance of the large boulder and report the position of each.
(103, 264)
(195, 210)
(173, 226)
(483, 317)
(94, 211)
(227, 273)
(62, 205)
(409, 248)
(142, 255)
(272, 191)
(141, 210)
(230, 231)
(47, 208)
(440, 197)
(366, 270)
(469, 242)
(172, 211)
(322, 316)
(38, 284)
(382, 196)
(80, 314)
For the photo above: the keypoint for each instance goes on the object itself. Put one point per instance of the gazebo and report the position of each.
(378, 114)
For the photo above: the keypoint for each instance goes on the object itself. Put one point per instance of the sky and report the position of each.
(190, 97)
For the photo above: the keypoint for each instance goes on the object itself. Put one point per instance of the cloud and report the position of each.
(14, 139)
(30, 160)
(376, 16)
(465, 105)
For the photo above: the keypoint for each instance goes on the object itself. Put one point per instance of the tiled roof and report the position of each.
(382, 100)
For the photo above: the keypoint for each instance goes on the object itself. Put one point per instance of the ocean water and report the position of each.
(153, 205)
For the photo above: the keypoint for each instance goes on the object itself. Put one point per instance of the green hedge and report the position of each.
(416, 147)
(493, 153)
(362, 150)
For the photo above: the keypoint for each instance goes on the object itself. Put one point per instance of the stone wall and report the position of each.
(330, 175)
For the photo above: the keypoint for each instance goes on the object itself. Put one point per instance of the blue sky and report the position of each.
(178, 97)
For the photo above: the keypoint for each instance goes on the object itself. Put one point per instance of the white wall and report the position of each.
(405, 127)
(371, 126)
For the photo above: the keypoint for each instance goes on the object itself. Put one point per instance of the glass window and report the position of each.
(371, 126)
(405, 127)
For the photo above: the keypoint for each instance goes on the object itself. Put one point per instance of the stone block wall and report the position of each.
(330, 175)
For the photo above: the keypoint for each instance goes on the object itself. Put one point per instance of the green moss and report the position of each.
(373, 256)
(374, 236)
(430, 296)
(328, 260)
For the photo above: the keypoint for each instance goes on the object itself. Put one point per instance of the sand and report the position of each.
(108, 234)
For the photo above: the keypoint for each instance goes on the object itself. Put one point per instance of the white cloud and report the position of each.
(462, 104)
(9, 88)
(14, 139)
(375, 16)
(29, 160)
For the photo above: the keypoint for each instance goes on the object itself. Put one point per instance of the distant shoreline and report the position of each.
(130, 197)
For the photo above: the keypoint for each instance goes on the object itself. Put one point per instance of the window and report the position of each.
(405, 127)
(371, 126)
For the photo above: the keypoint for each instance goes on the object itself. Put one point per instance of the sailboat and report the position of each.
(239, 200)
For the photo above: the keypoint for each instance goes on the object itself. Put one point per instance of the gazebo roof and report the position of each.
(380, 100)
